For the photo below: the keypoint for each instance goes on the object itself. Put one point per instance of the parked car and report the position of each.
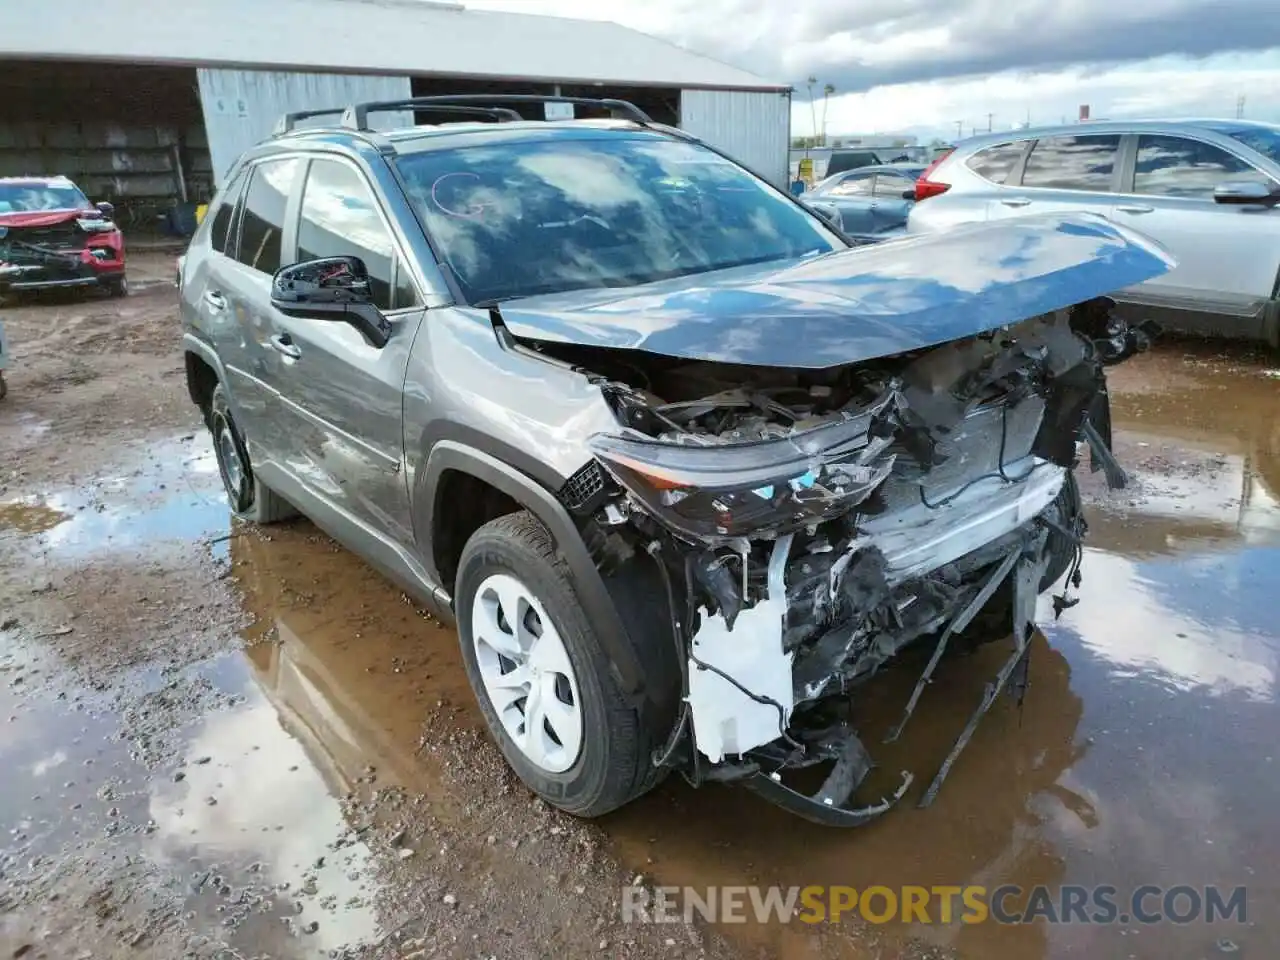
(52, 236)
(682, 466)
(1206, 190)
(870, 203)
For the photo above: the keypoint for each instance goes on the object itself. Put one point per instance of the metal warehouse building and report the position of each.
(146, 101)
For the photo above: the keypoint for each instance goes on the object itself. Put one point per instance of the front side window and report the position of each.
(1179, 167)
(262, 223)
(340, 218)
(996, 163)
(1072, 163)
(514, 219)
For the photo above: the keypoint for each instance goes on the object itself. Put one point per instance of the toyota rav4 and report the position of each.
(685, 466)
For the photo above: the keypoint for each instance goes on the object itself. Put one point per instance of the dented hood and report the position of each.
(859, 304)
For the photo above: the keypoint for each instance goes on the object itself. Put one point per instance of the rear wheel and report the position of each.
(118, 286)
(544, 685)
(249, 498)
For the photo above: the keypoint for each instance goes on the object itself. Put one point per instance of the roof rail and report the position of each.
(290, 120)
(356, 116)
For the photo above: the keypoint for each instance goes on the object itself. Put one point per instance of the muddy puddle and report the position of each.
(1144, 752)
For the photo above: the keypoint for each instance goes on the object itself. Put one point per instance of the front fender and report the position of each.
(448, 455)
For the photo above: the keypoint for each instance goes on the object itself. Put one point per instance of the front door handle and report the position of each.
(1135, 208)
(283, 344)
(215, 300)
(1016, 202)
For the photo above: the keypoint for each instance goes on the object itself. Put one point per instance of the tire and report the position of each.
(118, 286)
(250, 499)
(4, 387)
(612, 763)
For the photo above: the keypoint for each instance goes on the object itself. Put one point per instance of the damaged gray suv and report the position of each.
(685, 466)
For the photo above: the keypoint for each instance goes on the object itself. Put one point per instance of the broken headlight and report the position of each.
(712, 490)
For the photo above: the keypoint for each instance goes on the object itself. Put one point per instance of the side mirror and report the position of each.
(331, 288)
(1246, 192)
(106, 209)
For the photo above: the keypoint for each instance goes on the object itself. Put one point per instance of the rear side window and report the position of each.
(996, 163)
(223, 215)
(262, 223)
(852, 187)
(1178, 167)
(340, 217)
(1073, 163)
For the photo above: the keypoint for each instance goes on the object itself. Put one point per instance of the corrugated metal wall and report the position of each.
(241, 107)
(753, 128)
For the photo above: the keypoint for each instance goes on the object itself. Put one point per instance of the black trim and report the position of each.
(449, 455)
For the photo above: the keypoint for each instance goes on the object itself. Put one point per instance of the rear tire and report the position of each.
(118, 287)
(249, 498)
(514, 592)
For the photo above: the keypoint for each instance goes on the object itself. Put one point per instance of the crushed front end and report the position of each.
(78, 250)
(810, 525)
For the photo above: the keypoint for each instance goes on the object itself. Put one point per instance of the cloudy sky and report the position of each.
(921, 65)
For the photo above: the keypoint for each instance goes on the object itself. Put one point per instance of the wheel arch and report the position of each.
(433, 484)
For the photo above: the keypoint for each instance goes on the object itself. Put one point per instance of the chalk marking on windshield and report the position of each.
(475, 213)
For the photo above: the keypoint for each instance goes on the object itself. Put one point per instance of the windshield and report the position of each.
(518, 219)
(1266, 140)
(34, 197)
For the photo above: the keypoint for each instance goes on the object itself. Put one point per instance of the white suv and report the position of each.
(1205, 189)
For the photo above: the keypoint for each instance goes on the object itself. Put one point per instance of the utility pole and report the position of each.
(1240, 107)
(827, 90)
(990, 117)
(813, 111)
(959, 129)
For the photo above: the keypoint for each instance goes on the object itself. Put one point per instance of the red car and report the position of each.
(52, 236)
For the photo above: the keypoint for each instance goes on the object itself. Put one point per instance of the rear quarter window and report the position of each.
(997, 162)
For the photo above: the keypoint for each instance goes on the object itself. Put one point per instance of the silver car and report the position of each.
(1204, 189)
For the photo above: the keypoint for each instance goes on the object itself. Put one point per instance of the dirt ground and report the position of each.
(224, 742)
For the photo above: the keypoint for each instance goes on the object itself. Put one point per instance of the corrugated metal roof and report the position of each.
(368, 36)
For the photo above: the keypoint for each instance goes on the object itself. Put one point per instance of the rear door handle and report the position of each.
(1135, 208)
(1016, 202)
(284, 344)
(215, 300)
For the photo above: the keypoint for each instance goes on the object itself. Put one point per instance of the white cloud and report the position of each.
(920, 65)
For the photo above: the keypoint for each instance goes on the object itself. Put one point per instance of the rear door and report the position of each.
(1227, 255)
(1062, 174)
(242, 296)
(890, 207)
(342, 395)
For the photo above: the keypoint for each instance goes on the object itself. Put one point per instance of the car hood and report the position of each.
(858, 304)
(45, 218)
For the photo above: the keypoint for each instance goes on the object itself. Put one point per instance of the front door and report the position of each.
(342, 394)
(1227, 255)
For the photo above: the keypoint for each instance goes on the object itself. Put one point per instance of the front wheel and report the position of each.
(544, 686)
